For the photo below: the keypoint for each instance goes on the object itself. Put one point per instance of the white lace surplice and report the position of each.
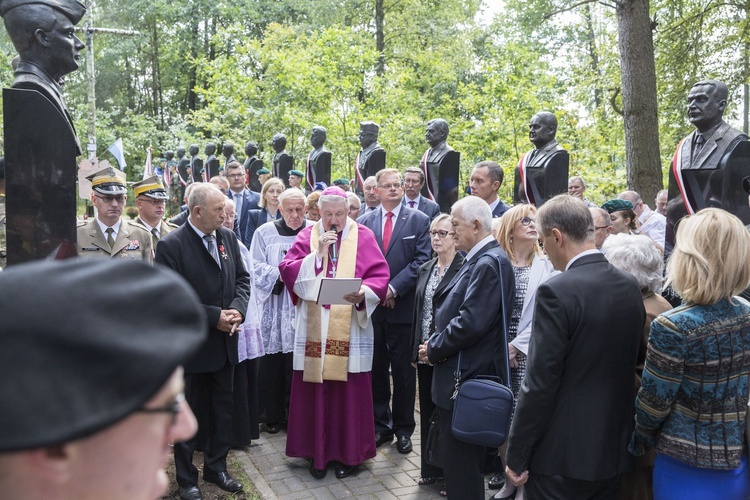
(276, 311)
(250, 342)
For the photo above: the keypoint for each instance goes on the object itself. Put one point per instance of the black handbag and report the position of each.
(433, 452)
(482, 406)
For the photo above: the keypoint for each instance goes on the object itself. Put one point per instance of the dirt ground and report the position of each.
(211, 491)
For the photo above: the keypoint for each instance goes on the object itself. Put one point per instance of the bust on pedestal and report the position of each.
(709, 164)
(196, 163)
(252, 165)
(318, 164)
(440, 165)
(542, 172)
(283, 162)
(213, 166)
(227, 150)
(371, 159)
(41, 144)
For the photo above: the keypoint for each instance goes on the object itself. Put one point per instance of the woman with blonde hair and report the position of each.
(268, 211)
(692, 404)
(519, 239)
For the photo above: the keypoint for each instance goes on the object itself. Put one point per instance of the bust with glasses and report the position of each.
(107, 234)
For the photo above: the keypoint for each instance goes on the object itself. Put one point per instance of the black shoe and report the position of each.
(317, 473)
(223, 481)
(190, 493)
(273, 428)
(343, 471)
(497, 481)
(381, 439)
(403, 444)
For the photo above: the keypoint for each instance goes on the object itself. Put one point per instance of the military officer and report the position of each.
(150, 200)
(108, 234)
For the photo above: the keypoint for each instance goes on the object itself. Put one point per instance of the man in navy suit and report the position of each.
(402, 234)
(471, 316)
(244, 199)
(485, 180)
(208, 256)
(413, 183)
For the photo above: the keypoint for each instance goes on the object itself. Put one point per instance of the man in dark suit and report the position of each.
(208, 256)
(574, 416)
(403, 235)
(244, 199)
(371, 200)
(413, 183)
(485, 180)
(469, 317)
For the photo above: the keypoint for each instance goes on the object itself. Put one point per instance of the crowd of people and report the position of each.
(616, 393)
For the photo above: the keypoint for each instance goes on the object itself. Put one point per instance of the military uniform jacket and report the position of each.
(164, 228)
(133, 242)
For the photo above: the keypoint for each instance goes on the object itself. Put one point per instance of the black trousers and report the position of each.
(393, 349)
(426, 407)
(211, 395)
(462, 463)
(275, 386)
(541, 487)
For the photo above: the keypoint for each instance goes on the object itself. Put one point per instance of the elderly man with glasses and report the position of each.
(108, 235)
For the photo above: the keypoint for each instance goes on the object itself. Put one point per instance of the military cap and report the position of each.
(262, 171)
(297, 173)
(73, 9)
(112, 333)
(369, 127)
(109, 181)
(746, 184)
(617, 205)
(341, 182)
(151, 187)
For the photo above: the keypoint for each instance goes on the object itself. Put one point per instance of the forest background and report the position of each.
(240, 70)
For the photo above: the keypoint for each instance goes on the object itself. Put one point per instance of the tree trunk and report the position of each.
(591, 42)
(191, 98)
(638, 75)
(379, 37)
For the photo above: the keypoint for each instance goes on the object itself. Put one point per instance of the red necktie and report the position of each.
(411, 204)
(387, 231)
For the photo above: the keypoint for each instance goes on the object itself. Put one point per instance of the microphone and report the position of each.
(334, 250)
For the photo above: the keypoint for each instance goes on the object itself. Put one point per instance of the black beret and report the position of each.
(85, 344)
(617, 205)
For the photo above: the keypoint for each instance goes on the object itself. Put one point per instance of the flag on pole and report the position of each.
(117, 152)
(148, 171)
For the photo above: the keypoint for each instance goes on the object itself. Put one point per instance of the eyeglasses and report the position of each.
(174, 408)
(440, 234)
(120, 198)
(528, 220)
(154, 202)
(395, 185)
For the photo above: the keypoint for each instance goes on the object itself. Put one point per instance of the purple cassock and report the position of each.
(332, 420)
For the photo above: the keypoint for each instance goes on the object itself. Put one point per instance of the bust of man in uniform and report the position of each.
(227, 150)
(371, 158)
(319, 160)
(42, 31)
(213, 166)
(196, 163)
(542, 131)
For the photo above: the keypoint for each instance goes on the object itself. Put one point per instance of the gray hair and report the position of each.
(437, 220)
(331, 199)
(353, 198)
(474, 209)
(200, 194)
(637, 255)
(602, 215)
(292, 194)
(569, 215)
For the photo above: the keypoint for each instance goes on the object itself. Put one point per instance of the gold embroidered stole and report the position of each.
(335, 364)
